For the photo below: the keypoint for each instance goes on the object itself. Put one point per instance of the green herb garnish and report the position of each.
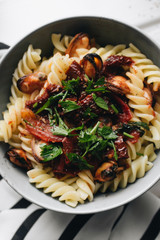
(71, 86)
(69, 106)
(62, 129)
(89, 113)
(115, 152)
(141, 124)
(114, 108)
(100, 102)
(78, 160)
(50, 101)
(128, 135)
(35, 104)
(139, 154)
(50, 152)
(107, 133)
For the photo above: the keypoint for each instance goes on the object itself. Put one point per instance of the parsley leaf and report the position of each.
(51, 151)
(62, 129)
(141, 124)
(80, 161)
(89, 113)
(69, 106)
(100, 102)
(71, 86)
(50, 101)
(115, 152)
(107, 133)
(100, 81)
(98, 89)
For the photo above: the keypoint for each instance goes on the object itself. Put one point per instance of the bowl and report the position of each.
(105, 31)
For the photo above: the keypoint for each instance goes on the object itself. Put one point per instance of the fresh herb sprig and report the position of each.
(72, 86)
(51, 100)
(97, 86)
(61, 129)
(100, 102)
(79, 161)
(69, 106)
(96, 140)
(50, 152)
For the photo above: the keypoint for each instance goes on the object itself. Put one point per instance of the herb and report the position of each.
(51, 151)
(49, 110)
(128, 135)
(35, 104)
(78, 160)
(107, 133)
(100, 81)
(139, 154)
(62, 129)
(89, 113)
(114, 108)
(131, 126)
(69, 106)
(141, 124)
(71, 86)
(28, 122)
(87, 139)
(100, 102)
(115, 152)
(96, 86)
(94, 129)
(98, 89)
(50, 101)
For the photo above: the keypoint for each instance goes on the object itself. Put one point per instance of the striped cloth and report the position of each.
(20, 219)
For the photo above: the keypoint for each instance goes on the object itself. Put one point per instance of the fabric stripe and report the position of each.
(22, 203)
(119, 217)
(75, 226)
(27, 224)
(3, 46)
(136, 218)
(153, 228)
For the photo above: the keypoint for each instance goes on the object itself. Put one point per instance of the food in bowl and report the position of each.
(84, 120)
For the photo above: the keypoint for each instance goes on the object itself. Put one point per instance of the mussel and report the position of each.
(107, 171)
(92, 65)
(31, 82)
(81, 40)
(19, 158)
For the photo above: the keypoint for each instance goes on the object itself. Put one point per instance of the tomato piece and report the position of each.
(39, 127)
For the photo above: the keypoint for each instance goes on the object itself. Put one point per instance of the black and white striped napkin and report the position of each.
(20, 219)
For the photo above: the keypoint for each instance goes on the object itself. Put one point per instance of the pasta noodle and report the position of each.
(151, 72)
(64, 167)
(55, 186)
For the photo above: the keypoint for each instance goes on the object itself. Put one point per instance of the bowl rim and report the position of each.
(73, 210)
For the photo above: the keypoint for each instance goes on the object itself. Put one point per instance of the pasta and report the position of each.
(151, 72)
(12, 116)
(83, 121)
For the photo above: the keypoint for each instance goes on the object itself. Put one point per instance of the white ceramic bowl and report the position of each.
(105, 31)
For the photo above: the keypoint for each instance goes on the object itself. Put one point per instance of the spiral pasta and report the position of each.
(85, 185)
(55, 186)
(151, 71)
(104, 53)
(60, 44)
(137, 169)
(59, 66)
(139, 100)
(26, 65)
(12, 116)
